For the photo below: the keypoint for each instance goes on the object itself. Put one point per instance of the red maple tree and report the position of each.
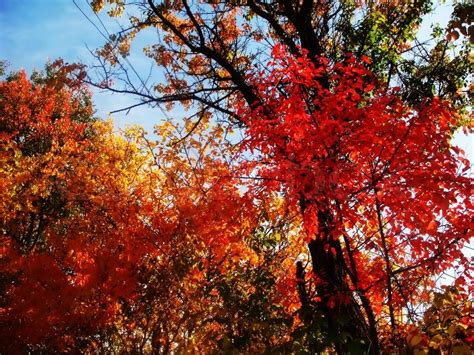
(385, 197)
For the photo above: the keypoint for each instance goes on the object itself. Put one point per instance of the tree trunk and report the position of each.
(344, 317)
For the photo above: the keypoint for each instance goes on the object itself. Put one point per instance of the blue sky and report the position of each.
(35, 31)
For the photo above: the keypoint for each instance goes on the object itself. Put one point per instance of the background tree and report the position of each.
(66, 195)
(118, 243)
(206, 287)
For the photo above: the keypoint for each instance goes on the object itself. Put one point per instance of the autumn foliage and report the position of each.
(161, 245)
(60, 180)
(382, 192)
(111, 239)
(309, 201)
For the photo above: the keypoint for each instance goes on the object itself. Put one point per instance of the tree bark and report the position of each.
(343, 314)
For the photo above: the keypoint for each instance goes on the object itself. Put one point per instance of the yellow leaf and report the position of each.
(415, 340)
(436, 341)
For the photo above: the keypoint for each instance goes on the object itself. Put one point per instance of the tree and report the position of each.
(213, 280)
(351, 116)
(351, 157)
(66, 195)
(118, 243)
(445, 325)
